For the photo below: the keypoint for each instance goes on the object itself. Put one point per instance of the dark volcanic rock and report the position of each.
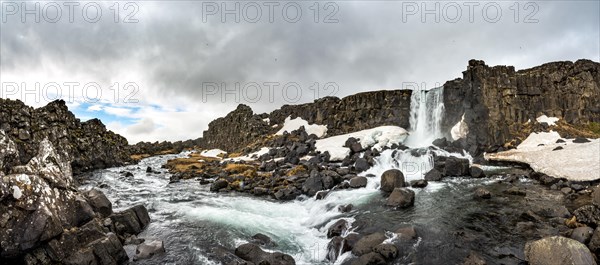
(401, 198)
(255, 254)
(370, 259)
(580, 140)
(361, 165)
(86, 145)
(433, 175)
(338, 228)
(336, 246)
(391, 179)
(481, 193)
(498, 101)
(99, 202)
(358, 182)
(476, 172)
(582, 234)
(312, 185)
(456, 167)
(367, 243)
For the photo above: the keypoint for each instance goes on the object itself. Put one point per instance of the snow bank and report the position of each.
(550, 120)
(212, 153)
(460, 129)
(295, 124)
(575, 162)
(376, 137)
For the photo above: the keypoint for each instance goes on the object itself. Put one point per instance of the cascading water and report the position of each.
(191, 219)
(426, 114)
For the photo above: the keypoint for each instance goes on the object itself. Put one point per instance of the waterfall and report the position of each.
(426, 114)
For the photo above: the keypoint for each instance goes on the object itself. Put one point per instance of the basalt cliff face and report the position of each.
(497, 102)
(87, 145)
(357, 112)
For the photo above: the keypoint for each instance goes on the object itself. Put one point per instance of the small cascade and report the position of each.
(426, 115)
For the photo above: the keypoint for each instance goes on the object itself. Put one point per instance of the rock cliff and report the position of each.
(357, 112)
(498, 101)
(88, 145)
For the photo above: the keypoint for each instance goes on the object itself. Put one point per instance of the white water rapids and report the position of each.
(187, 212)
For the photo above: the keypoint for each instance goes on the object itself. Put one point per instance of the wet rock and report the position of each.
(262, 240)
(253, 253)
(224, 256)
(474, 259)
(361, 165)
(99, 202)
(128, 174)
(335, 247)
(367, 243)
(515, 191)
(260, 191)
(456, 167)
(370, 259)
(401, 198)
(391, 179)
(338, 228)
(476, 172)
(441, 142)
(421, 183)
(321, 194)
(557, 148)
(147, 250)
(558, 250)
(133, 240)
(358, 182)
(149, 169)
(219, 184)
(566, 190)
(388, 251)
(481, 193)
(582, 234)
(345, 208)
(108, 250)
(433, 175)
(406, 233)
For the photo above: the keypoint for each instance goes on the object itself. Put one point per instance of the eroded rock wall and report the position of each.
(497, 101)
(88, 145)
(357, 112)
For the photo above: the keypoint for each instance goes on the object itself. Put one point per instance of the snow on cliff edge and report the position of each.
(377, 137)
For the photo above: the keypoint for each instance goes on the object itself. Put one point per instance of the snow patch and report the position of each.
(550, 120)
(460, 129)
(212, 153)
(267, 120)
(294, 124)
(17, 192)
(23, 179)
(376, 137)
(575, 162)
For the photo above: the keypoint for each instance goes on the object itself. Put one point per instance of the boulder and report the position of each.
(253, 253)
(594, 244)
(262, 240)
(401, 198)
(406, 233)
(367, 243)
(582, 234)
(440, 142)
(456, 166)
(338, 228)
(345, 208)
(596, 196)
(358, 182)
(219, 184)
(149, 249)
(224, 256)
(131, 221)
(391, 179)
(476, 172)
(588, 214)
(556, 250)
(474, 259)
(287, 193)
(99, 202)
(370, 259)
(420, 183)
(388, 251)
(312, 185)
(361, 164)
(433, 175)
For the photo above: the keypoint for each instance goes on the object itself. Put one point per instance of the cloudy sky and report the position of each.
(161, 70)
